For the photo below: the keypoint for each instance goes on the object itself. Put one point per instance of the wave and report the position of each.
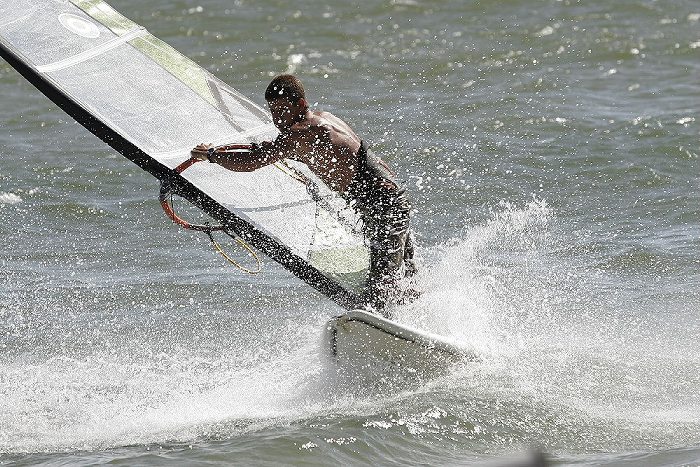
(9, 198)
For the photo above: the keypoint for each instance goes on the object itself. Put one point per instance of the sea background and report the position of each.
(551, 152)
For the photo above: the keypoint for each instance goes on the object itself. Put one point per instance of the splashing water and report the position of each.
(478, 278)
(558, 364)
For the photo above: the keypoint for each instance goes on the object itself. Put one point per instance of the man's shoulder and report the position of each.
(315, 124)
(321, 119)
(323, 114)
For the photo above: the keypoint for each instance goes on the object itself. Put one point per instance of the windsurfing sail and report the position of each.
(152, 105)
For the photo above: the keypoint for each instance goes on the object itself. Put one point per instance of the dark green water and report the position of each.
(551, 152)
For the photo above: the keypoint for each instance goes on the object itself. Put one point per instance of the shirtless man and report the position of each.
(332, 151)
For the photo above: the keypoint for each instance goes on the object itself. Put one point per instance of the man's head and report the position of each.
(287, 102)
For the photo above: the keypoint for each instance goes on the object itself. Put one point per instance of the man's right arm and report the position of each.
(260, 155)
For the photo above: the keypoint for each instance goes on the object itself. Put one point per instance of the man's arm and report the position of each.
(260, 155)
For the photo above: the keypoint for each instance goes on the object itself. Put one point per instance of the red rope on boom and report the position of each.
(165, 198)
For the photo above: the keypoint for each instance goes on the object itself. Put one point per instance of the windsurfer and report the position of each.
(332, 150)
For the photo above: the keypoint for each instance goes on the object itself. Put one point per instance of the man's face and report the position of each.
(285, 113)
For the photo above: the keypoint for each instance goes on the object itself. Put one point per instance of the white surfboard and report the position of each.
(364, 339)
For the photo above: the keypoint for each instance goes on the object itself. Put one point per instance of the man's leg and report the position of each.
(408, 260)
(387, 231)
(384, 272)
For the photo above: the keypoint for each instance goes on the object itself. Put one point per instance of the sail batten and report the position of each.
(88, 54)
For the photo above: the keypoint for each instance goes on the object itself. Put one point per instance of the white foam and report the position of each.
(460, 291)
(129, 396)
(9, 198)
(293, 62)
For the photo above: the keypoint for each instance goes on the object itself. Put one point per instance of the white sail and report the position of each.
(141, 93)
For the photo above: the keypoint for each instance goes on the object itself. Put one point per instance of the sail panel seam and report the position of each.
(92, 53)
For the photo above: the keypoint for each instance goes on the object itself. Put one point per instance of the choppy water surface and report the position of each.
(551, 152)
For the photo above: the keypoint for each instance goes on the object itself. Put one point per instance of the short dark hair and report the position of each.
(285, 86)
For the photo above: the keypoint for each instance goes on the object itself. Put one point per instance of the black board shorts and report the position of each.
(385, 212)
